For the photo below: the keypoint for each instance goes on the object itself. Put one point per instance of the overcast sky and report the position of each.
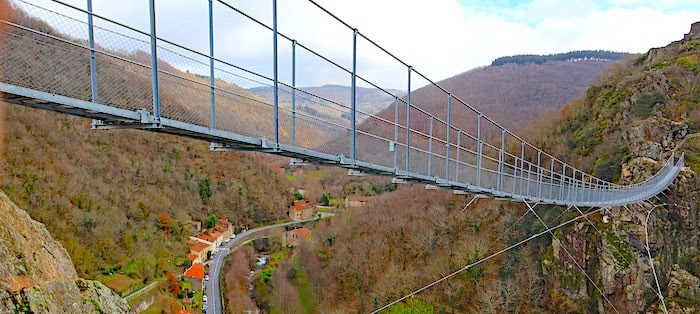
(440, 38)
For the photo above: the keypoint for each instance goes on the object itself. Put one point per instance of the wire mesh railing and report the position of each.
(453, 145)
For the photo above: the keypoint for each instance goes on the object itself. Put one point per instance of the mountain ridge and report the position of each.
(576, 55)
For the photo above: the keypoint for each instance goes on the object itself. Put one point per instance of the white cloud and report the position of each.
(440, 38)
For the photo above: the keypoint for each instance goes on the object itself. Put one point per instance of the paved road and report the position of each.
(216, 264)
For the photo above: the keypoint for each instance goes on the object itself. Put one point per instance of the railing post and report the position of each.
(459, 148)
(447, 146)
(529, 171)
(551, 179)
(501, 160)
(275, 74)
(93, 63)
(408, 122)
(294, 92)
(430, 147)
(522, 166)
(561, 181)
(479, 150)
(212, 78)
(586, 187)
(396, 132)
(515, 173)
(577, 188)
(539, 173)
(353, 96)
(154, 59)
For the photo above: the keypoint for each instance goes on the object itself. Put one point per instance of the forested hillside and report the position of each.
(526, 91)
(123, 199)
(621, 129)
(369, 100)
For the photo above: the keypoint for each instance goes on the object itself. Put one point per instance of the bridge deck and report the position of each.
(185, 92)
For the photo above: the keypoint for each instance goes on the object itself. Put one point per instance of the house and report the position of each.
(195, 275)
(301, 210)
(209, 240)
(198, 252)
(296, 236)
(225, 227)
(357, 201)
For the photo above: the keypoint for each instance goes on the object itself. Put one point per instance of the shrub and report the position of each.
(211, 221)
(324, 200)
(646, 102)
(608, 164)
(690, 62)
(205, 188)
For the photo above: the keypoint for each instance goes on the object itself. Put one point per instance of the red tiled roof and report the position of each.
(191, 256)
(207, 237)
(195, 271)
(300, 205)
(199, 246)
(301, 232)
(361, 198)
(280, 169)
(184, 312)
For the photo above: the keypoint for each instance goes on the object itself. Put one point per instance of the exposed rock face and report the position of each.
(77, 296)
(683, 290)
(30, 256)
(38, 275)
(651, 137)
(694, 32)
(616, 252)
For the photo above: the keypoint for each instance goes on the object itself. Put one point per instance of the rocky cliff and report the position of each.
(38, 275)
(622, 130)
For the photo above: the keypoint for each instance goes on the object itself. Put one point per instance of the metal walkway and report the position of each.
(87, 65)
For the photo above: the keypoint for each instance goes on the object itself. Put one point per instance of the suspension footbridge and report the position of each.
(71, 60)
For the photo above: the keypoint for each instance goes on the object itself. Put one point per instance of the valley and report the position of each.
(130, 220)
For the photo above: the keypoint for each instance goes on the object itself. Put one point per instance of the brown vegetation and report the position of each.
(120, 199)
(365, 258)
(409, 238)
(238, 266)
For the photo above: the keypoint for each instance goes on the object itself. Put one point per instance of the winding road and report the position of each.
(213, 286)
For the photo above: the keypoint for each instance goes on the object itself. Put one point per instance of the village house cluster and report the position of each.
(202, 246)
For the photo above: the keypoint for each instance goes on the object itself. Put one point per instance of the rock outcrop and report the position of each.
(646, 108)
(683, 291)
(38, 275)
(30, 256)
(694, 32)
(76, 296)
